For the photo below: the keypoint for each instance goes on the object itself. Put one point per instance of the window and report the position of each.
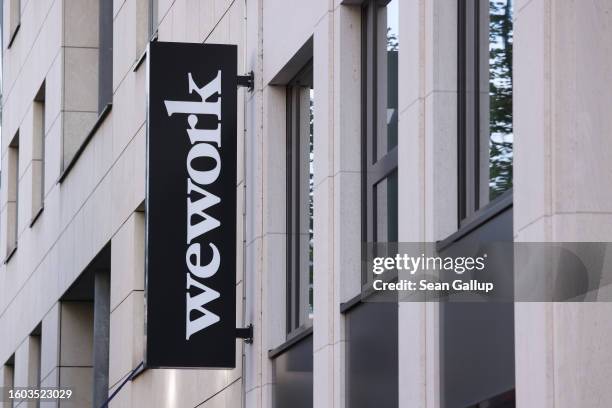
(105, 56)
(14, 20)
(12, 196)
(38, 153)
(373, 372)
(300, 139)
(293, 381)
(380, 48)
(378, 373)
(485, 103)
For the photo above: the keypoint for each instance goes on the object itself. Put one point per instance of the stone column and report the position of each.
(562, 179)
(101, 327)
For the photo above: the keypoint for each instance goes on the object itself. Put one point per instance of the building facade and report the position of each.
(439, 121)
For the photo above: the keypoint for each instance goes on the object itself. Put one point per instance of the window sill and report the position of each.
(367, 292)
(346, 307)
(36, 215)
(482, 216)
(299, 335)
(10, 254)
(88, 138)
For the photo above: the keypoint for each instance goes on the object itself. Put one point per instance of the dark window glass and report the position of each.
(485, 102)
(477, 338)
(372, 356)
(293, 376)
(300, 210)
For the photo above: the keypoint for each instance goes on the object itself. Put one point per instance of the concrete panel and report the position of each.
(127, 259)
(80, 381)
(50, 341)
(285, 35)
(76, 328)
(81, 23)
(81, 80)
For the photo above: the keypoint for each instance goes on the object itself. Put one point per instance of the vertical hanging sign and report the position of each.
(191, 206)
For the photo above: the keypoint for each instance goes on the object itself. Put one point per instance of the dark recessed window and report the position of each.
(485, 128)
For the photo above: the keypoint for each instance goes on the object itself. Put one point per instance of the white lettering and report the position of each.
(202, 271)
(203, 107)
(196, 304)
(204, 146)
(196, 209)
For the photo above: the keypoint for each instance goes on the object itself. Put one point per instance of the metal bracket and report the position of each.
(245, 333)
(247, 80)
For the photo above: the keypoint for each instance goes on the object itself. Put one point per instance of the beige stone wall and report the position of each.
(563, 68)
(99, 200)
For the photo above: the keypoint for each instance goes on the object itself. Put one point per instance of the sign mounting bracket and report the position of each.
(247, 81)
(245, 333)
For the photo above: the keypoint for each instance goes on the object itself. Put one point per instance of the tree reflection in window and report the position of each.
(500, 96)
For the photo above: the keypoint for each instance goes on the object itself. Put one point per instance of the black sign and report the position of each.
(191, 206)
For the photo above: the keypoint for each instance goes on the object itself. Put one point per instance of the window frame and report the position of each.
(293, 216)
(374, 170)
(469, 210)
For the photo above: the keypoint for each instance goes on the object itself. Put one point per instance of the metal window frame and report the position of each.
(469, 209)
(467, 139)
(373, 170)
(293, 326)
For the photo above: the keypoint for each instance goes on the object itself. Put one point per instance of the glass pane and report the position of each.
(386, 209)
(311, 207)
(387, 81)
(501, 137)
(372, 365)
(305, 204)
(293, 376)
(300, 201)
(382, 225)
